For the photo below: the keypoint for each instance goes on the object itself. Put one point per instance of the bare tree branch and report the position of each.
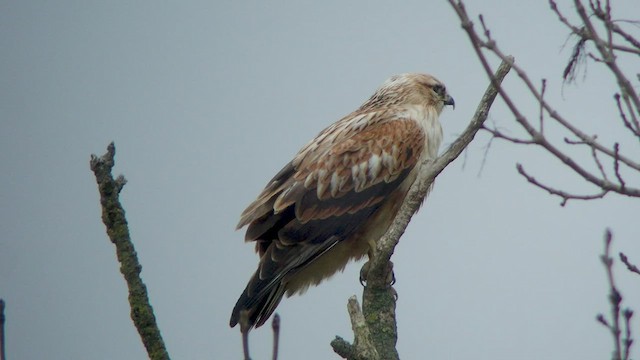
(635, 43)
(430, 169)
(363, 347)
(537, 136)
(379, 298)
(597, 28)
(118, 231)
(608, 56)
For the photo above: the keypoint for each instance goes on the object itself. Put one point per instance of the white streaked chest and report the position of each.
(428, 120)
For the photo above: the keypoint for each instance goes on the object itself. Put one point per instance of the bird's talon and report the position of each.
(364, 272)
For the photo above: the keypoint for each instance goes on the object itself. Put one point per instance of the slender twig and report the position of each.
(275, 325)
(553, 191)
(606, 18)
(626, 36)
(541, 116)
(594, 155)
(614, 298)
(627, 340)
(118, 231)
(595, 58)
(627, 88)
(625, 49)
(631, 267)
(575, 142)
(500, 135)
(574, 29)
(634, 128)
(630, 110)
(622, 343)
(616, 166)
(486, 153)
(2, 320)
(244, 332)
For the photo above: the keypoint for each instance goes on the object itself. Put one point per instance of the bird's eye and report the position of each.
(439, 89)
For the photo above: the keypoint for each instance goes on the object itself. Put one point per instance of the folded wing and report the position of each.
(320, 199)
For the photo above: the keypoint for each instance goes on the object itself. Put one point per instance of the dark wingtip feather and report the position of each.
(266, 296)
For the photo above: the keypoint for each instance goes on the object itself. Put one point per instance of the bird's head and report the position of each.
(411, 89)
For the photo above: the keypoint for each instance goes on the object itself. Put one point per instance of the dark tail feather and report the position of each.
(260, 298)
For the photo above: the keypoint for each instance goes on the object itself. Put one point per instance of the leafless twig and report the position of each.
(631, 267)
(275, 325)
(622, 344)
(245, 329)
(563, 194)
(484, 41)
(118, 232)
(543, 87)
(2, 320)
(244, 332)
(634, 128)
(497, 134)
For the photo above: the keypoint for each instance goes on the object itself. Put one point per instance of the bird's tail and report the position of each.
(259, 299)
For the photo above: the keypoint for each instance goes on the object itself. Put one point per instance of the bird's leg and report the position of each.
(364, 271)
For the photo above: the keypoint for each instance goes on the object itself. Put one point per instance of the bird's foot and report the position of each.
(391, 276)
(364, 273)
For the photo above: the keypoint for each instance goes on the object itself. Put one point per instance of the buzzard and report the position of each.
(340, 193)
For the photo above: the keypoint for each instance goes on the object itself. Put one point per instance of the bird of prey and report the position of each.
(340, 193)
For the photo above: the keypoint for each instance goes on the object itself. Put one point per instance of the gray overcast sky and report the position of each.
(206, 101)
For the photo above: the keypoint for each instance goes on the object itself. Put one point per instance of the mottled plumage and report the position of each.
(341, 192)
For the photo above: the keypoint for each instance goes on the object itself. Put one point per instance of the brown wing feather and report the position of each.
(307, 209)
(264, 204)
(367, 158)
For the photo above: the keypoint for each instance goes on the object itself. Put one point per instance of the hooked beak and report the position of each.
(448, 100)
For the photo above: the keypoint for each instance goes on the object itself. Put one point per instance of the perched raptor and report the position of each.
(340, 193)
